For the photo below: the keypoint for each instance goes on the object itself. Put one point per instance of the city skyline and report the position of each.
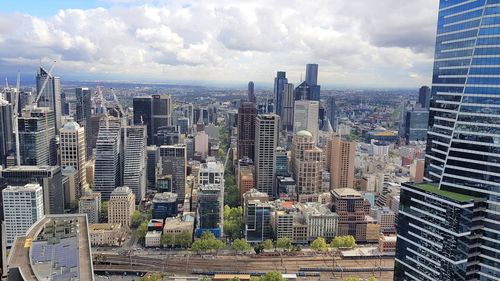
(219, 43)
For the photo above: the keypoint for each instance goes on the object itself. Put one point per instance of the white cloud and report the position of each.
(363, 42)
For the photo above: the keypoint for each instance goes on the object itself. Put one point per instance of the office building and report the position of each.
(72, 148)
(56, 247)
(173, 162)
(154, 112)
(184, 125)
(417, 170)
(305, 117)
(340, 160)
(167, 135)
(245, 176)
(416, 123)
(210, 209)
(282, 162)
(386, 218)
(452, 220)
(424, 97)
(134, 172)
(37, 136)
(51, 96)
(251, 92)
(266, 142)
(352, 209)
(211, 172)
(152, 165)
(279, 91)
(288, 105)
(84, 113)
(201, 144)
(321, 221)
(107, 167)
(121, 206)
(257, 218)
(90, 204)
(246, 130)
(7, 140)
(164, 205)
(107, 234)
(49, 177)
(312, 74)
(25, 98)
(22, 207)
(307, 164)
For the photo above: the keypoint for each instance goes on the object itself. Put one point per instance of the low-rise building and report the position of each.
(321, 221)
(387, 243)
(90, 204)
(178, 225)
(107, 234)
(121, 206)
(164, 205)
(153, 239)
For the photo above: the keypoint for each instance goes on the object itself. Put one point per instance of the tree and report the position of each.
(234, 279)
(268, 244)
(104, 211)
(137, 218)
(152, 277)
(241, 245)
(319, 245)
(206, 279)
(284, 243)
(233, 222)
(353, 279)
(372, 278)
(343, 242)
(167, 239)
(142, 229)
(183, 239)
(207, 242)
(272, 276)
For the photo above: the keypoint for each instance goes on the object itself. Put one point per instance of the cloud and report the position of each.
(379, 43)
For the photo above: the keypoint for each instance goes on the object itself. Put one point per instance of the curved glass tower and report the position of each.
(449, 228)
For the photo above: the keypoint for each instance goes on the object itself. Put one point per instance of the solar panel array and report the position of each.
(63, 256)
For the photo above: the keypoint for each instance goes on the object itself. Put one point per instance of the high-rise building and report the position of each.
(49, 177)
(164, 205)
(266, 142)
(37, 136)
(340, 160)
(121, 206)
(307, 164)
(288, 104)
(279, 92)
(183, 124)
(257, 217)
(7, 142)
(251, 92)
(305, 117)
(282, 162)
(211, 172)
(107, 173)
(153, 167)
(90, 204)
(424, 96)
(448, 227)
(22, 207)
(154, 112)
(332, 112)
(201, 144)
(56, 247)
(416, 123)
(173, 162)
(51, 96)
(312, 74)
(352, 209)
(73, 153)
(245, 176)
(134, 172)
(210, 212)
(25, 98)
(83, 113)
(246, 130)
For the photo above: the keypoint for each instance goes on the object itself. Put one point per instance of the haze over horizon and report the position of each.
(357, 44)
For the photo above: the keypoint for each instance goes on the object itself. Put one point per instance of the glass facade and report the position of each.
(463, 143)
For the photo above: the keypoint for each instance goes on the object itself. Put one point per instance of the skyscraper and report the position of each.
(37, 136)
(251, 92)
(288, 104)
(22, 206)
(107, 173)
(51, 96)
(7, 142)
(424, 96)
(305, 117)
(210, 211)
(266, 141)
(246, 130)
(416, 123)
(73, 153)
(307, 164)
(312, 74)
(134, 172)
(173, 162)
(154, 112)
(279, 92)
(152, 167)
(340, 160)
(448, 228)
(83, 113)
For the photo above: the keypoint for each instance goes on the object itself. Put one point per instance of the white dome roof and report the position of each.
(304, 133)
(72, 125)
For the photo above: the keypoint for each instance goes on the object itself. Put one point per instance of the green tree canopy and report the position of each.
(167, 239)
(272, 276)
(233, 222)
(284, 243)
(353, 279)
(319, 244)
(151, 277)
(137, 218)
(142, 229)
(268, 244)
(207, 242)
(241, 245)
(372, 278)
(184, 239)
(343, 242)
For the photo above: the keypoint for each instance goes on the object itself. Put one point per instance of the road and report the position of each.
(184, 265)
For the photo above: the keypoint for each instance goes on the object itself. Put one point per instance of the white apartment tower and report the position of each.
(134, 172)
(73, 153)
(266, 141)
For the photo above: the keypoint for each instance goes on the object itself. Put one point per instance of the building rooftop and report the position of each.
(165, 197)
(304, 133)
(103, 226)
(121, 190)
(433, 188)
(346, 192)
(56, 247)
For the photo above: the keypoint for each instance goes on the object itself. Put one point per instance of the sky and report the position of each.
(357, 43)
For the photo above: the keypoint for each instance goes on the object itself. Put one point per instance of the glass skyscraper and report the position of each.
(449, 228)
(279, 92)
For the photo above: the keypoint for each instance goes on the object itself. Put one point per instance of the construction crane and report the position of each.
(123, 117)
(49, 74)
